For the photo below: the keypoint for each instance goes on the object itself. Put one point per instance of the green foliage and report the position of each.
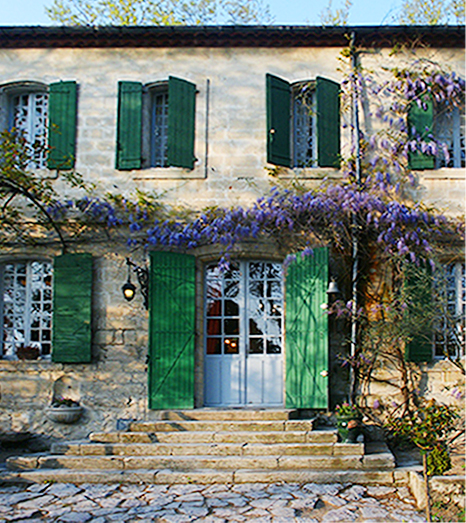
(438, 460)
(26, 195)
(431, 12)
(427, 428)
(155, 12)
(338, 16)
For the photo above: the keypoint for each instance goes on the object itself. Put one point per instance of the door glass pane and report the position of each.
(214, 346)
(231, 345)
(231, 326)
(256, 345)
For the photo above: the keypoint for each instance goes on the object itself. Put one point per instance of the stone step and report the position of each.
(212, 414)
(208, 476)
(382, 461)
(221, 426)
(300, 436)
(86, 448)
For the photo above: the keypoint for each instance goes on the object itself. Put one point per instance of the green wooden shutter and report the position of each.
(420, 122)
(62, 125)
(419, 313)
(72, 276)
(181, 117)
(307, 332)
(278, 98)
(171, 331)
(328, 122)
(129, 126)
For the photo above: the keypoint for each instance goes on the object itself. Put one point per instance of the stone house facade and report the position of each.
(226, 130)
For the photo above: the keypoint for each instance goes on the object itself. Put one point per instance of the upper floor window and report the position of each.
(450, 284)
(449, 129)
(29, 115)
(155, 126)
(303, 122)
(443, 123)
(46, 116)
(26, 308)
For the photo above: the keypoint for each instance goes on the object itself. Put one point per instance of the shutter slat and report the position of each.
(172, 330)
(62, 125)
(307, 331)
(129, 126)
(181, 122)
(72, 275)
(278, 99)
(420, 122)
(328, 122)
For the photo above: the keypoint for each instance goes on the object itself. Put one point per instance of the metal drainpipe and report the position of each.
(355, 250)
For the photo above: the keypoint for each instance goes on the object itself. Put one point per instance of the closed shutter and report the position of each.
(181, 116)
(419, 313)
(307, 332)
(278, 99)
(129, 126)
(420, 123)
(62, 125)
(328, 122)
(171, 331)
(72, 276)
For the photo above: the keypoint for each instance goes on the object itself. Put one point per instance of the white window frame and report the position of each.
(303, 125)
(155, 125)
(35, 127)
(449, 129)
(450, 282)
(15, 338)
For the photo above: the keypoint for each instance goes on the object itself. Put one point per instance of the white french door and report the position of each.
(244, 335)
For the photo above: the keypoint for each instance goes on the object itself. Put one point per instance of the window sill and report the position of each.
(305, 173)
(445, 173)
(15, 365)
(168, 173)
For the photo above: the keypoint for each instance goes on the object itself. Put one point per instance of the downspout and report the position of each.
(354, 224)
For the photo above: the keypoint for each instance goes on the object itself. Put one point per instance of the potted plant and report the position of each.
(64, 410)
(348, 422)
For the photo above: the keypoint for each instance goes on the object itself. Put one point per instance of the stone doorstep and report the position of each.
(212, 414)
(221, 425)
(165, 476)
(298, 436)
(187, 463)
(206, 449)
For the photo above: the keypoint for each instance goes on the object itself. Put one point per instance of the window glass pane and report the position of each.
(159, 132)
(231, 326)
(231, 308)
(256, 345)
(27, 308)
(231, 346)
(274, 346)
(214, 346)
(214, 326)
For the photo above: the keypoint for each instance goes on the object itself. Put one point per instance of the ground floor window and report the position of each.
(450, 283)
(26, 309)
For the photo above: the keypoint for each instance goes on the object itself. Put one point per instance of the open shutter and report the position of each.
(129, 126)
(278, 98)
(420, 123)
(171, 331)
(181, 115)
(307, 332)
(418, 292)
(328, 122)
(72, 276)
(62, 125)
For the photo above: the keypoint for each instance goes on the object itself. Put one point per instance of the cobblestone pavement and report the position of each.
(311, 503)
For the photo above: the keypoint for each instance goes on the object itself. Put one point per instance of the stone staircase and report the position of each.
(208, 446)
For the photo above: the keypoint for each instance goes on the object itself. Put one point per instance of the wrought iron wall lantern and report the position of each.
(129, 289)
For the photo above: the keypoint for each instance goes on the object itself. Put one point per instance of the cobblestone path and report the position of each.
(311, 503)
